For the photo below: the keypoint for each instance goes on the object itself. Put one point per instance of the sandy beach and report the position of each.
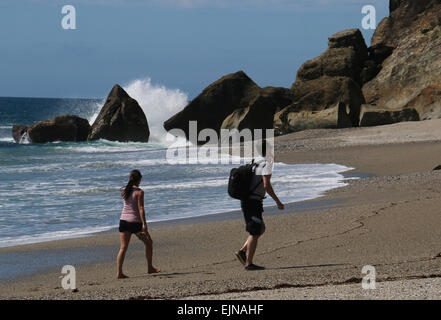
(389, 220)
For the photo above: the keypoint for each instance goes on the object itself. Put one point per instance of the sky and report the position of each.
(179, 44)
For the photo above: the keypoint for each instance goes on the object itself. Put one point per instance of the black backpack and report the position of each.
(239, 184)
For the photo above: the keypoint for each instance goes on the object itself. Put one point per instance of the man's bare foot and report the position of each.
(121, 276)
(154, 270)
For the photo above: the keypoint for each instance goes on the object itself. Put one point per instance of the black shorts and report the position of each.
(133, 227)
(252, 212)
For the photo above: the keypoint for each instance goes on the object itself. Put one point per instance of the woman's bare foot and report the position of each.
(121, 276)
(154, 270)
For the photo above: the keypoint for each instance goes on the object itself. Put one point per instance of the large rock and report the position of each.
(327, 102)
(260, 111)
(344, 57)
(217, 101)
(295, 118)
(61, 128)
(375, 117)
(120, 119)
(410, 76)
(327, 92)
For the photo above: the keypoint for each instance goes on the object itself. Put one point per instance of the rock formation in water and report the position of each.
(120, 119)
(61, 128)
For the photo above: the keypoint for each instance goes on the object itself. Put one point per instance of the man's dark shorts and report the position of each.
(252, 212)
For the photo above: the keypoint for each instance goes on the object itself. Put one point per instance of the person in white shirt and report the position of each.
(252, 207)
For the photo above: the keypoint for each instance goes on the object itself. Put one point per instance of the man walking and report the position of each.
(252, 207)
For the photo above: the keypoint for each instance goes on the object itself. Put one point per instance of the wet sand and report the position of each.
(389, 220)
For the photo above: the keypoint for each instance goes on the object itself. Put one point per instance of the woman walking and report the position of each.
(133, 221)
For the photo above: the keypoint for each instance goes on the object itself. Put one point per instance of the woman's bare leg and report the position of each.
(125, 239)
(145, 237)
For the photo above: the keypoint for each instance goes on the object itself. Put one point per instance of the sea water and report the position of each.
(63, 190)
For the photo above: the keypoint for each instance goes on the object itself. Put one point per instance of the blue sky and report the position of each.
(183, 44)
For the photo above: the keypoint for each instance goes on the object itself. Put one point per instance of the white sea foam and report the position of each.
(110, 147)
(98, 107)
(168, 188)
(158, 103)
(50, 236)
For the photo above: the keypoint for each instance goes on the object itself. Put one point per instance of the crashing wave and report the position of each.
(25, 138)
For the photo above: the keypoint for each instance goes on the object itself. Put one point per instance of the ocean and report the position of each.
(64, 190)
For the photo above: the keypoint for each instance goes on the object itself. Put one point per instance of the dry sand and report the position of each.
(390, 221)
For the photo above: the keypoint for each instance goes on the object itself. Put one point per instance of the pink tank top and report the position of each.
(130, 212)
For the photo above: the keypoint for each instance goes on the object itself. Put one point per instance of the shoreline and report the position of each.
(42, 264)
(389, 220)
(196, 218)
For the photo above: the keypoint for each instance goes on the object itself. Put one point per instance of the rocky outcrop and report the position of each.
(405, 19)
(61, 128)
(294, 118)
(399, 76)
(327, 91)
(410, 75)
(375, 117)
(327, 102)
(260, 111)
(210, 108)
(120, 119)
(344, 57)
(427, 102)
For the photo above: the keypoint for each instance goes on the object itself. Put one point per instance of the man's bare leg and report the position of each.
(251, 249)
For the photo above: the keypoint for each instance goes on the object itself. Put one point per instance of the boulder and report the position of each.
(295, 118)
(120, 119)
(344, 57)
(60, 128)
(260, 111)
(375, 117)
(210, 108)
(327, 92)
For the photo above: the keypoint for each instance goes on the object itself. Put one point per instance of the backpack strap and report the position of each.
(255, 164)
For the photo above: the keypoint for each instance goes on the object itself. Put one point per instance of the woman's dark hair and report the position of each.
(135, 178)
